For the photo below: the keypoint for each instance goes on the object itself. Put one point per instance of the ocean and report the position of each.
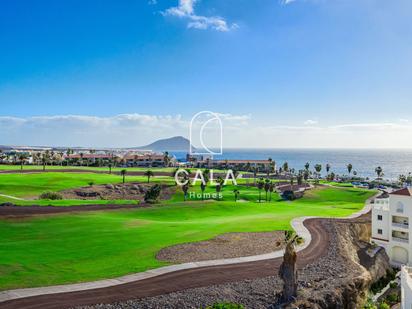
(393, 161)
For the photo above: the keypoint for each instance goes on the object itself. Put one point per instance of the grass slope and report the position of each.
(89, 246)
(32, 185)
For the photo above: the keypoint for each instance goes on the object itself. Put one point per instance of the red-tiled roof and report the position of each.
(242, 161)
(88, 156)
(404, 192)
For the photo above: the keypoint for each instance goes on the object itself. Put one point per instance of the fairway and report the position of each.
(30, 186)
(80, 247)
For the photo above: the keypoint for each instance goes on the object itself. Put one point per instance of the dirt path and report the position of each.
(27, 211)
(180, 280)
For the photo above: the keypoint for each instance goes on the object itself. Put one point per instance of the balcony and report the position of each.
(400, 236)
(400, 225)
(400, 239)
(401, 222)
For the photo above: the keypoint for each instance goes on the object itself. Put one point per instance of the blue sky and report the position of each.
(316, 63)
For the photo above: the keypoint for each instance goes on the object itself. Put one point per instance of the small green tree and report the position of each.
(236, 193)
(152, 194)
(185, 189)
(148, 174)
(123, 173)
(260, 185)
(266, 187)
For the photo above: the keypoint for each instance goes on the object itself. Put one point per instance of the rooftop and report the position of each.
(404, 192)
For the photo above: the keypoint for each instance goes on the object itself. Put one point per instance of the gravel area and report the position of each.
(229, 245)
(321, 284)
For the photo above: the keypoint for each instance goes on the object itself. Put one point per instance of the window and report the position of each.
(380, 231)
(380, 217)
(399, 207)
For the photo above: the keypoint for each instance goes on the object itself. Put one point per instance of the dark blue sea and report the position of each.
(393, 161)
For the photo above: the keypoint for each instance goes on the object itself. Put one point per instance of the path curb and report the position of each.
(297, 224)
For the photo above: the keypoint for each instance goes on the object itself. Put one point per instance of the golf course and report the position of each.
(85, 246)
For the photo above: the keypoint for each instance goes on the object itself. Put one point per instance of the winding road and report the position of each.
(184, 279)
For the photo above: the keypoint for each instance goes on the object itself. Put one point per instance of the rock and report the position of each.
(87, 194)
(7, 204)
(110, 186)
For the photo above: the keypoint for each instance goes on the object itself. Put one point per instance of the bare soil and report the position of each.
(230, 245)
(124, 191)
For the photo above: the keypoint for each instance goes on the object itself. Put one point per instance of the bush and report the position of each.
(50, 196)
(382, 282)
(392, 298)
(288, 195)
(152, 194)
(393, 285)
(383, 306)
(225, 306)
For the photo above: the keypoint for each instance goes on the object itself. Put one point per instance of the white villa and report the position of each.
(406, 287)
(391, 215)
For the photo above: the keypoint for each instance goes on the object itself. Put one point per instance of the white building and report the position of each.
(406, 287)
(391, 215)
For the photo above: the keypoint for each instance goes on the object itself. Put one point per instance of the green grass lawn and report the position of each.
(88, 246)
(30, 186)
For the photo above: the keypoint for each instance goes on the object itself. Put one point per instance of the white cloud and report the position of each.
(128, 130)
(287, 1)
(310, 122)
(152, 2)
(185, 9)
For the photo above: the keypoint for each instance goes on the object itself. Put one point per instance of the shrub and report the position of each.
(152, 194)
(225, 306)
(288, 195)
(383, 306)
(91, 183)
(393, 285)
(392, 298)
(50, 196)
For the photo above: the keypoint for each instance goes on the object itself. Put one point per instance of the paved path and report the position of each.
(176, 277)
(12, 197)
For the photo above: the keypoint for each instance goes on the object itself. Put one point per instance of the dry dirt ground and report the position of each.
(331, 275)
(336, 280)
(224, 246)
(124, 191)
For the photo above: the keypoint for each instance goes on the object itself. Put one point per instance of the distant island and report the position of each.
(176, 143)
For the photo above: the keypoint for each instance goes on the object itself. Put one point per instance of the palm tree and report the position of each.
(306, 175)
(203, 188)
(260, 186)
(254, 174)
(148, 174)
(285, 167)
(22, 158)
(266, 187)
(236, 193)
(327, 168)
(287, 270)
(379, 173)
(307, 165)
(185, 189)
(402, 180)
(44, 159)
(318, 169)
(123, 173)
(349, 167)
(271, 188)
(218, 189)
(166, 159)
